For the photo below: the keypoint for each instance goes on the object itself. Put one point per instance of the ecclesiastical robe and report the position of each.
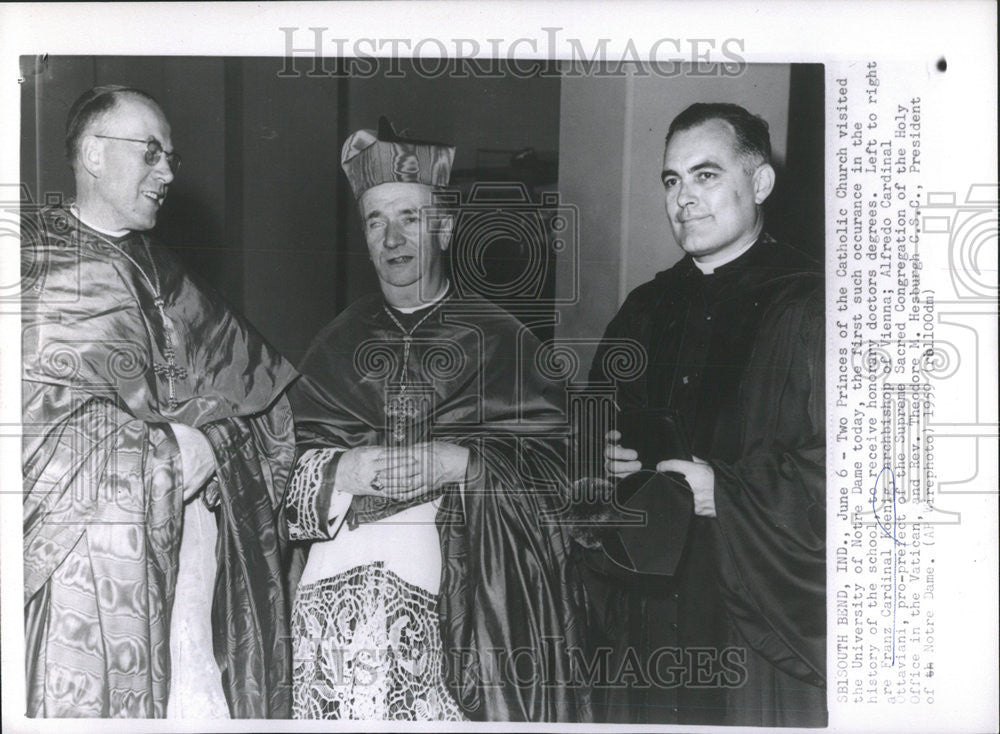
(118, 343)
(508, 599)
(737, 634)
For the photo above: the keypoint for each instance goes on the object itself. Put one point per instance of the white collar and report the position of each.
(709, 268)
(438, 297)
(75, 211)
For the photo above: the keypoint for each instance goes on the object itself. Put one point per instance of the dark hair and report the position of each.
(90, 106)
(752, 138)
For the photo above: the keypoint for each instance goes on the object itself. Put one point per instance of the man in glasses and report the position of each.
(122, 181)
(152, 413)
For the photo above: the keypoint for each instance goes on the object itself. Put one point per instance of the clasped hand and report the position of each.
(620, 462)
(401, 472)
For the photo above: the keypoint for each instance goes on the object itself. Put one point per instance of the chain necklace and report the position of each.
(408, 333)
(170, 370)
(406, 414)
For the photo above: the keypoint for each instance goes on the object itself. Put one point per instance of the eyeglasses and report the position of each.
(153, 151)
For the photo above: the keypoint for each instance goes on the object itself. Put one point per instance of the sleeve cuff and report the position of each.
(312, 510)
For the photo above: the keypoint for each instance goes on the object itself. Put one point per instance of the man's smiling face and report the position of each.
(129, 192)
(391, 221)
(712, 199)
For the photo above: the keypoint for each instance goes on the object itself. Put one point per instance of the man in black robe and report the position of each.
(430, 478)
(142, 389)
(734, 632)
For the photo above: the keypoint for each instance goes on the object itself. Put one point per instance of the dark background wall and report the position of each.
(261, 210)
(260, 207)
(485, 119)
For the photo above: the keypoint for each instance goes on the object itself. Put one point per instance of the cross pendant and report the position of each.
(172, 372)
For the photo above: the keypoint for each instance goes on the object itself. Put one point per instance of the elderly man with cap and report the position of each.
(435, 589)
(141, 389)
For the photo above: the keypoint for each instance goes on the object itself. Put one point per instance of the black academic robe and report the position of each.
(740, 355)
(510, 603)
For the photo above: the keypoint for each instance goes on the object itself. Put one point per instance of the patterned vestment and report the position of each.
(118, 343)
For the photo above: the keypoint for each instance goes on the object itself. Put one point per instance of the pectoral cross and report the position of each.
(170, 370)
(401, 413)
(407, 411)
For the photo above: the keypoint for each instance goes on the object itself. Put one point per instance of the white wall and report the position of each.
(591, 165)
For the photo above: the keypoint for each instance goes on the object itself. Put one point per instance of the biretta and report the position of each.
(372, 158)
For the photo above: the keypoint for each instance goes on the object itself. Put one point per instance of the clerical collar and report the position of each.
(75, 211)
(710, 268)
(413, 309)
